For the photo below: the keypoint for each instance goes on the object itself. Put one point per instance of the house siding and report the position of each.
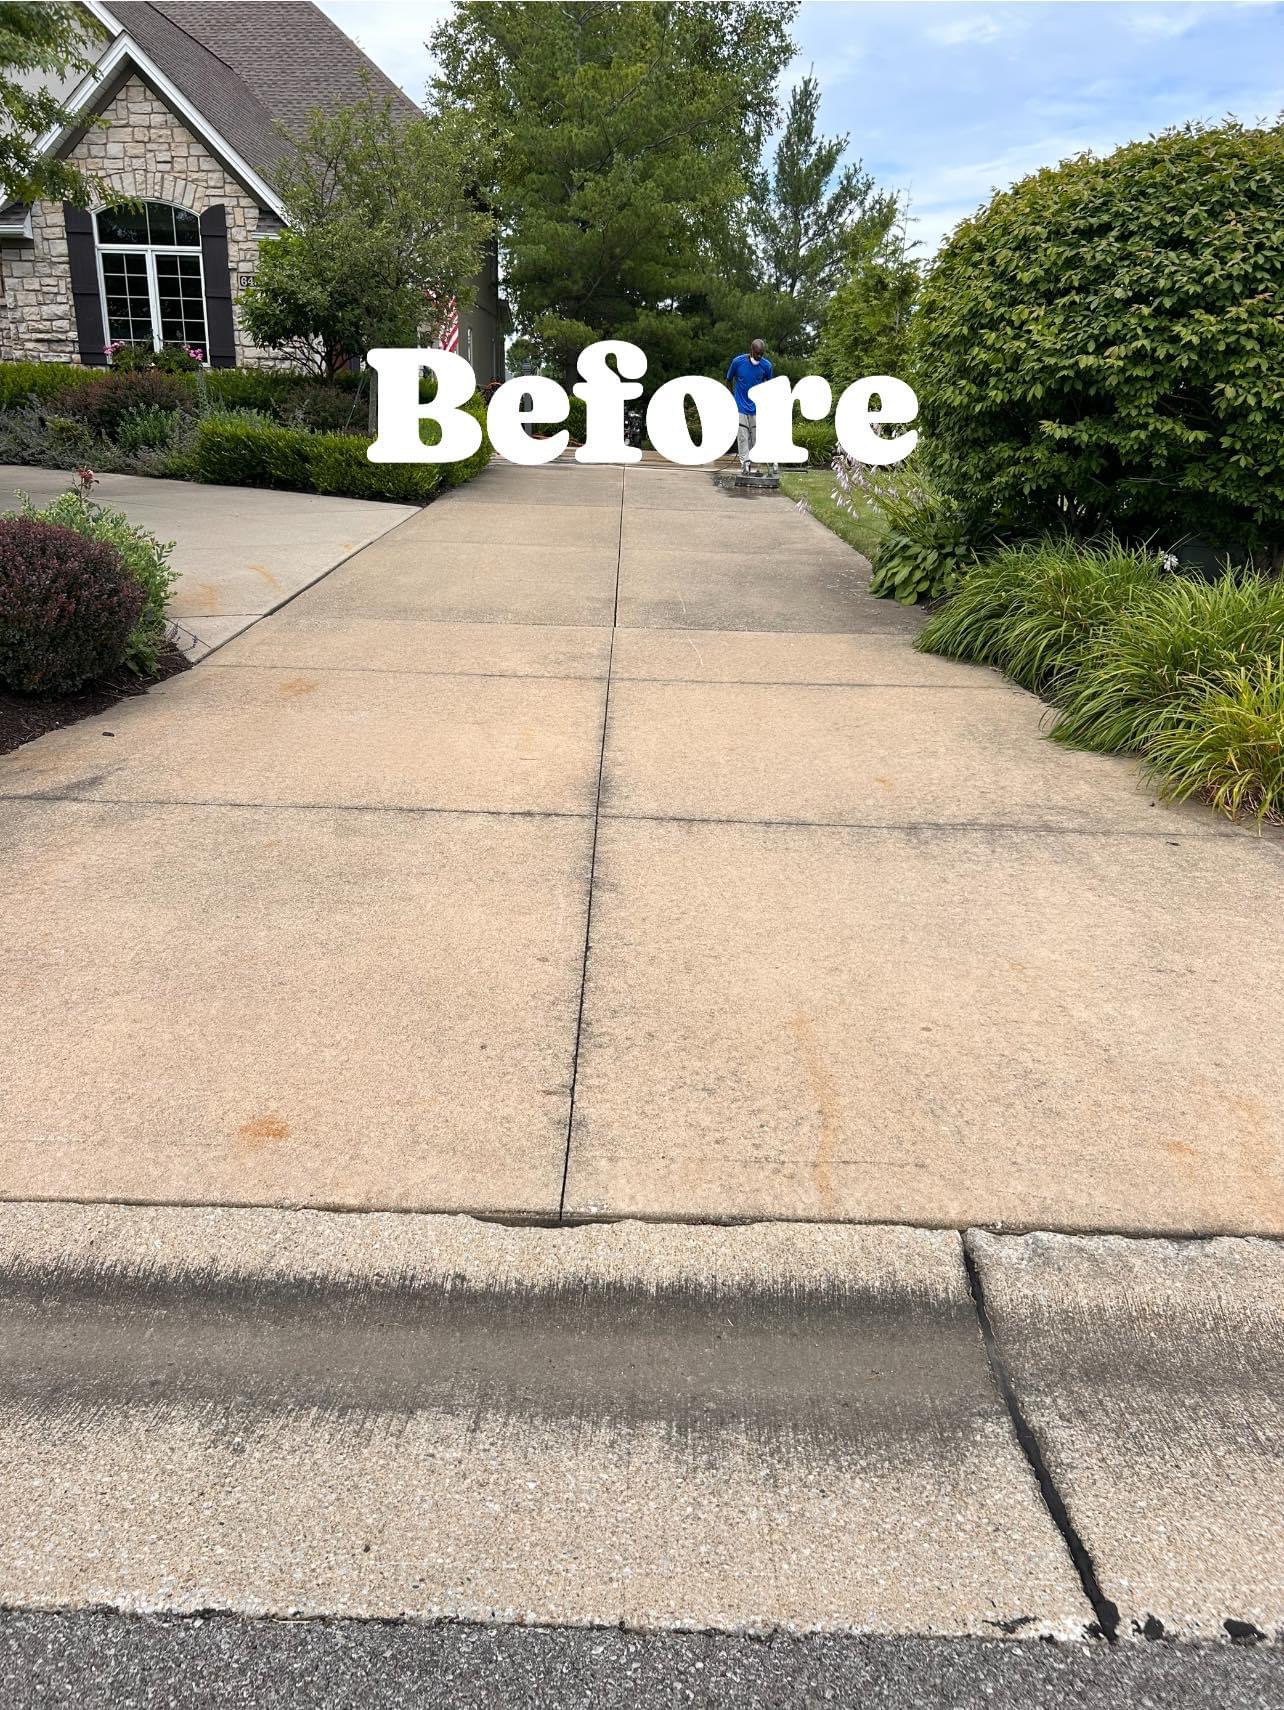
(143, 150)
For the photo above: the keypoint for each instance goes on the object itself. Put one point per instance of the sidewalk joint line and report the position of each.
(592, 880)
(1106, 1624)
(303, 807)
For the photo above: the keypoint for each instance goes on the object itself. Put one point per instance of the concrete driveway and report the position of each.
(592, 845)
(239, 552)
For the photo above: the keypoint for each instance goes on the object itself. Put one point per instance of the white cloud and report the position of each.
(965, 32)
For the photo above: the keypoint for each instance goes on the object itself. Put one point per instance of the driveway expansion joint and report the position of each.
(1106, 1612)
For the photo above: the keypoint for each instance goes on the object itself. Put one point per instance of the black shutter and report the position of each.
(83, 261)
(220, 329)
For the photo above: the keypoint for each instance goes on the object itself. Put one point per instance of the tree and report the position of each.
(1103, 345)
(801, 214)
(385, 227)
(50, 39)
(866, 323)
(627, 136)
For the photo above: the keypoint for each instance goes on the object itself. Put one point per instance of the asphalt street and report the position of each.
(93, 1659)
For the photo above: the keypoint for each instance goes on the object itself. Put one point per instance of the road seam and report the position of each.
(1106, 1612)
(597, 821)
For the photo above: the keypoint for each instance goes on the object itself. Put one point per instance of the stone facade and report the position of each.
(142, 151)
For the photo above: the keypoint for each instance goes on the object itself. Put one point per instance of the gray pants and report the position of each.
(746, 433)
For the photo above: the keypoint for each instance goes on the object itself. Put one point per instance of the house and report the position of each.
(179, 119)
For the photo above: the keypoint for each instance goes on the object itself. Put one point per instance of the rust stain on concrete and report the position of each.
(263, 571)
(263, 1131)
(828, 1108)
(297, 686)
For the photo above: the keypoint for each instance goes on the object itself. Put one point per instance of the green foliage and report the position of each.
(867, 320)
(628, 134)
(813, 491)
(236, 453)
(801, 214)
(1103, 345)
(67, 607)
(38, 43)
(144, 556)
(1191, 636)
(1227, 747)
(383, 224)
(1036, 611)
(22, 381)
(925, 545)
(105, 402)
(820, 440)
(149, 429)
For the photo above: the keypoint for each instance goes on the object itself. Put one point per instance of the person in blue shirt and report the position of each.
(744, 373)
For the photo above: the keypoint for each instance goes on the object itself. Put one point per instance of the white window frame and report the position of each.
(149, 252)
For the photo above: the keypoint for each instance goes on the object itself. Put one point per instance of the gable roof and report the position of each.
(248, 66)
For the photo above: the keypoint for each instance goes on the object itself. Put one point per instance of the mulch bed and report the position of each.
(24, 717)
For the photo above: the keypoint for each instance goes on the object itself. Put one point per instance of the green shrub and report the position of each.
(1103, 345)
(1036, 611)
(234, 454)
(820, 440)
(338, 464)
(1184, 639)
(926, 545)
(1227, 746)
(20, 382)
(148, 429)
(144, 556)
(67, 607)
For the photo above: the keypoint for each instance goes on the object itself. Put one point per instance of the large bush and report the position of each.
(1103, 345)
(144, 556)
(67, 607)
(105, 403)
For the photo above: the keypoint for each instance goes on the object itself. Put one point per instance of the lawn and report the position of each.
(817, 487)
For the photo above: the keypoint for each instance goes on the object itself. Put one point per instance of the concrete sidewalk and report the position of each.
(239, 552)
(592, 845)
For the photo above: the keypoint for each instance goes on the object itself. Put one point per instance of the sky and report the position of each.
(946, 100)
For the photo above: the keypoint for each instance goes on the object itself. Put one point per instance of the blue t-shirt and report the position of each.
(744, 373)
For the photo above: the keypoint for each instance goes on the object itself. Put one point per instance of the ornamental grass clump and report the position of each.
(67, 607)
(1227, 747)
(1037, 611)
(1147, 673)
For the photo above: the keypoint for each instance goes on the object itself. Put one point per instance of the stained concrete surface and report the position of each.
(799, 922)
(239, 551)
(1152, 1373)
(297, 1005)
(632, 1425)
(93, 1660)
(931, 1024)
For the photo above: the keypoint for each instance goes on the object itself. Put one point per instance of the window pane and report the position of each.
(182, 305)
(122, 225)
(129, 311)
(160, 222)
(186, 227)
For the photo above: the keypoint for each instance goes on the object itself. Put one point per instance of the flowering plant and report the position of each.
(927, 547)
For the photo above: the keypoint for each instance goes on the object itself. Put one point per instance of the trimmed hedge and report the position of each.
(22, 381)
(244, 455)
(67, 607)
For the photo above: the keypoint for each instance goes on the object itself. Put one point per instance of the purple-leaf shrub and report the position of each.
(67, 607)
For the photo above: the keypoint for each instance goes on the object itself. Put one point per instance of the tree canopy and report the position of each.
(627, 137)
(385, 227)
(48, 38)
